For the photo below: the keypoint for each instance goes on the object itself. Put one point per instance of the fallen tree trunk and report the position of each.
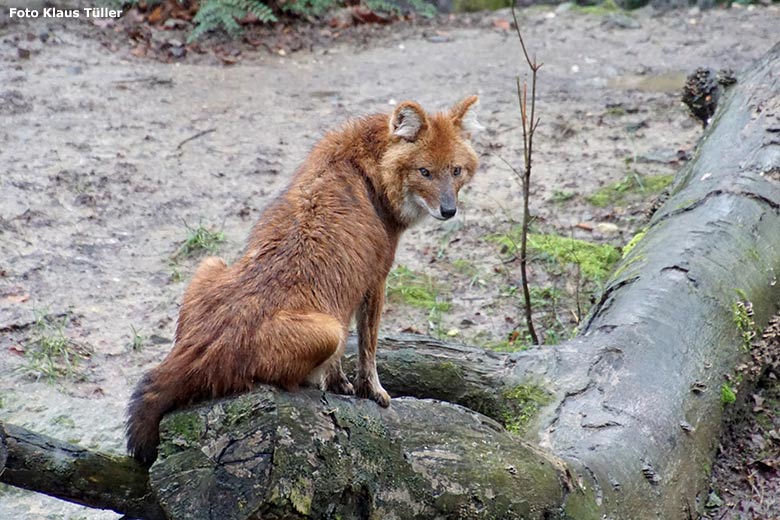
(634, 403)
(639, 394)
(275, 454)
(40, 463)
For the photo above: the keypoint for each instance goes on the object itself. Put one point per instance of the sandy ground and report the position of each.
(98, 183)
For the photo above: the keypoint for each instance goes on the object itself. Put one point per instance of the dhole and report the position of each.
(318, 256)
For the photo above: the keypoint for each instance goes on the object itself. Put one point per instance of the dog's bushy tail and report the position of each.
(150, 401)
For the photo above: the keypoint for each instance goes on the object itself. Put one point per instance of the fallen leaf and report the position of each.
(585, 226)
(501, 24)
(229, 60)
(156, 15)
(15, 298)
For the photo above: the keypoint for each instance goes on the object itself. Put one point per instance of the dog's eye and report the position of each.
(424, 172)
(456, 171)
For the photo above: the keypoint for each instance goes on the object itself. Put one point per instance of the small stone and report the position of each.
(686, 426)
(658, 155)
(607, 229)
(439, 38)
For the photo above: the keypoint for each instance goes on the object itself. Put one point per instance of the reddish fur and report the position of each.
(318, 256)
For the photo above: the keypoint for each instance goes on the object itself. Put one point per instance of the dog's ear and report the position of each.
(408, 121)
(464, 115)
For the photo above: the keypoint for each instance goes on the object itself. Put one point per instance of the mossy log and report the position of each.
(275, 454)
(46, 465)
(627, 414)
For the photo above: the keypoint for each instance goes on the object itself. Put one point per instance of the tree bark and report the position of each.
(628, 413)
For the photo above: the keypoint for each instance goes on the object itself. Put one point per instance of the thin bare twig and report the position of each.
(192, 138)
(529, 125)
(517, 172)
(532, 64)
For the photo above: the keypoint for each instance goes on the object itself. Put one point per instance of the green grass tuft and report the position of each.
(414, 289)
(742, 312)
(199, 240)
(619, 192)
(418, 290)
(51, 354)
(137, 341)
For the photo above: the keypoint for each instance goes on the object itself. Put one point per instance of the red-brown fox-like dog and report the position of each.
(318, 256)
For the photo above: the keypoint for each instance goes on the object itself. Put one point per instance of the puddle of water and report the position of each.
(666, 82)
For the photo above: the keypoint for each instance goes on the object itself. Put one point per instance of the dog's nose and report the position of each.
(448, 212)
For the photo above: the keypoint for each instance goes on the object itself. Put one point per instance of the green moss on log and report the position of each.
(523, 403)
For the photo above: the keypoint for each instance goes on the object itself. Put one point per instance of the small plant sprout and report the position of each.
(529, 124)
(200, 239)
(136, 340)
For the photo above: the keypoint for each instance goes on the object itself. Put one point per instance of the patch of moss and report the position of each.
(605, 7)
(180, 430)
(742, 314)
(727, 394)
(616, 111)
(633, 242)
(560, 197)
(619, 192)
(524, 401)
(595, 260)
(301, 496)
(506, 345)
(239, 410)
(470, 6)
(622, 270)
(582, 504)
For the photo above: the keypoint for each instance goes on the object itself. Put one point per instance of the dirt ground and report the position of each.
(108, 158)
